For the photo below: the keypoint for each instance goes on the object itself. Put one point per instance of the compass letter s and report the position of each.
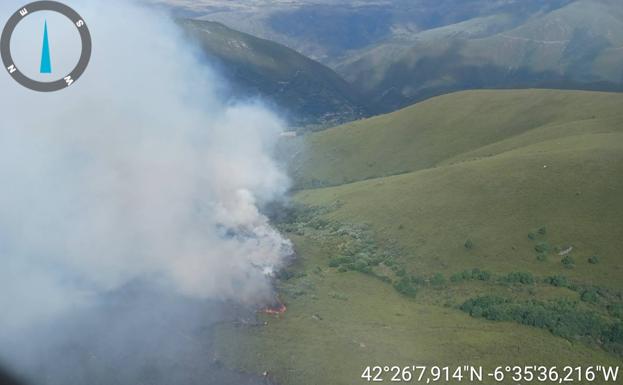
(79, 23)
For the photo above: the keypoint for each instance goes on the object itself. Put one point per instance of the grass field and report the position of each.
(514, 183)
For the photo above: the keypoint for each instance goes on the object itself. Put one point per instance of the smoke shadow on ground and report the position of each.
(137, 334)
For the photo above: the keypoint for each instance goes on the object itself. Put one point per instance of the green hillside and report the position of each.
(499, 242)
(304, 91)
(571, 185)
(450, 128)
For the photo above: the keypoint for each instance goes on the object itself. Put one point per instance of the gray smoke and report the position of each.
(138, 172)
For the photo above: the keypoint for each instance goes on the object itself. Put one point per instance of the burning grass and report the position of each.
(276, 308)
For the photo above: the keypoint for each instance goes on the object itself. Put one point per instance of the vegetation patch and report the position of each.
(471, 275)
(562, 318)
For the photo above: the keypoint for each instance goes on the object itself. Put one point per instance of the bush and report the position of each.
(562, 318)
(385, 278)
(284, 274)
(593, 259)
(468, 275)
(468, 244)
(541, 231)
(456, 277)
(590, 295)
(557, 280)
(405, 286)
(523, 278)
(541, 257)
(418, 280)
(542, 247)
(361, 266)
(568, 262)
(616, 310)
(438, 280)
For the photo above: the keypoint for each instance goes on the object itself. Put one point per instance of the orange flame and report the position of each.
(276, 309)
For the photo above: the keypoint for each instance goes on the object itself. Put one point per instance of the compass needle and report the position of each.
(46, 63)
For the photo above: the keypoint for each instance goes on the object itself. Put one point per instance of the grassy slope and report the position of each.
(484, 180)
(304, 88)
(338, 323)
(438, 130)
(495, 202)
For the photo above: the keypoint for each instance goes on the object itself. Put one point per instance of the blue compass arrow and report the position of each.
(46, 64)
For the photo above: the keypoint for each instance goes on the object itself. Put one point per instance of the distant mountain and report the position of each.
(328, 30)
(579, 45)
(399, 52)
(304, 91)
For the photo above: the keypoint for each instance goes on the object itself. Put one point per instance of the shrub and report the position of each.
(284, 274)
(468, 244)
(438, 280)
(474, 274)
(405, 286)
(568, 262)
(542, 247)
(385, 279)
(519, 277)
(593, 259)
(557, 280)
(590, 295)
(541, 257)
(361, 266)
(562, 318)
(540, 232)
(481, 275)
(418, 280)
(616, 310)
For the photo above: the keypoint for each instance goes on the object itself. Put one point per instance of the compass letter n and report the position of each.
(23, 12)
(12, 68)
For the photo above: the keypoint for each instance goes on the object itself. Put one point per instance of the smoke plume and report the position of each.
(137, 172)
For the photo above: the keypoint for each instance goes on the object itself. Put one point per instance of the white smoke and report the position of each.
(137, 171)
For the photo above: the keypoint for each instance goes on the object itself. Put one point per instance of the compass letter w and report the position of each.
(23, 12)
